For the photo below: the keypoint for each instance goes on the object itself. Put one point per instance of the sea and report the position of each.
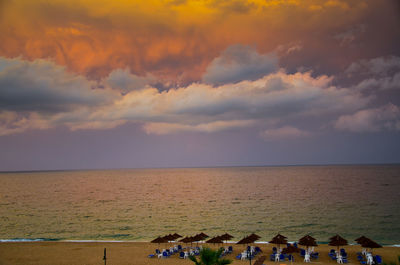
(141, 204)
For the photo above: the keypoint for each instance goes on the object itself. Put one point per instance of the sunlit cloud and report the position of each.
(59, 98)
(371, 120)
(173, 40)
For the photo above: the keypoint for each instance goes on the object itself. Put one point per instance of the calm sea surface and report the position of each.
(138, 205)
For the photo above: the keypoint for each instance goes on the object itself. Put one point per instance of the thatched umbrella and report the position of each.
(198, 238)
(368, 243)
(361, 239)
(278, 240)
(308, 237)
(337, 241)
(256, 237)
(226, 237)
(188, 239)
(245, 241)
(215, 240)
(159, 240)
(176, 235)
(307, 241)
(204, 236)
(169, 237)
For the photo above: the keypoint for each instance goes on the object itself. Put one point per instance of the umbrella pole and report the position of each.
(105, 256)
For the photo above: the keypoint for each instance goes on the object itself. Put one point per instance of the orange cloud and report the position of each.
(174, 40)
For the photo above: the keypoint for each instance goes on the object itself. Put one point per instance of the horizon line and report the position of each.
(203, 167)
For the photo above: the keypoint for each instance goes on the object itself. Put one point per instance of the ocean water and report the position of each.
(140, 204)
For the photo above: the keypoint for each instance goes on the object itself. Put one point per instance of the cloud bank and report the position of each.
(241, 88)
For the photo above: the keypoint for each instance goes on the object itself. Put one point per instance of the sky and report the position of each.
(196, 83)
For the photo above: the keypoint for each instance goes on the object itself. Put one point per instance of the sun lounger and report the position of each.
(307, 258)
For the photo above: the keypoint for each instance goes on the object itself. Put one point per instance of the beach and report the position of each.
(118, 253)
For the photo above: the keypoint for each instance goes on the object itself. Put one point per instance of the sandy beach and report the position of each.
(53, 253)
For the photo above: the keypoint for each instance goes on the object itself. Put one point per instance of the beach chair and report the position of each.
(182, 255)
(378, 259)
(230, 249)
(281, 257)
(315, 255)
(151, 256)
(165, 254)
(307, 258)
(295, 244)
(258, 250)
(239, 256)
(274, 250)
(272, 257)
(302, 252)
(277, 256)
(290, 258)
(370, 260)
(179, 247)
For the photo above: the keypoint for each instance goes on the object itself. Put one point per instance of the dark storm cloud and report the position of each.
(238, 63)
(41, 86)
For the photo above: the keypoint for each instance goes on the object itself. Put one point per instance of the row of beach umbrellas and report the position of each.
(279, 239)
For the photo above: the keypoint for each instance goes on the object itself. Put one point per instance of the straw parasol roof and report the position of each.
(337, 241)
(169, 237)
(159, 240)
(176, 235)
(281, 236)
(361, 239)
(215, 240)
(198, 237)
(370, 244)
(256, 237)
(204, 236)
(226, 236)
(308, 241)
(187, 239)
(308, 237)
(278, 239)
(245, 240)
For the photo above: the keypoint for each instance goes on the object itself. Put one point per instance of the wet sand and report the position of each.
(118, 253)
